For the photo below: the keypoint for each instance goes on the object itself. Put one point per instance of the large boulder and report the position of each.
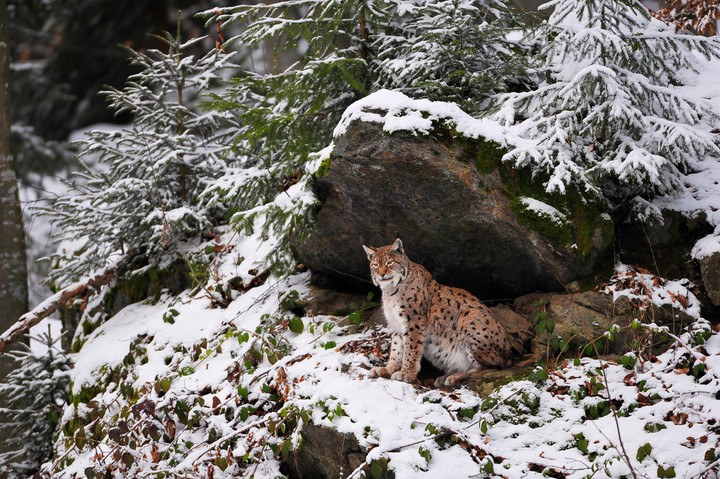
(469, 219)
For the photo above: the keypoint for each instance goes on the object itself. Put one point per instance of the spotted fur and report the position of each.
(450, 327)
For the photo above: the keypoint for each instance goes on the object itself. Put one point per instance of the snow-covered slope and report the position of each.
(181, 388)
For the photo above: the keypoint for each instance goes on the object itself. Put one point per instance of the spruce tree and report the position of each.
(345, 50)
(451, 50)
(607, 117)
(34, 394)
(141, 189)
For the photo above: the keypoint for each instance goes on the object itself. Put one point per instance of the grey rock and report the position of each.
(453, 219)
(579, 319)
(325, 453)
(710, 271)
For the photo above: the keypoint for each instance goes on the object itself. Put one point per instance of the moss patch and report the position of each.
(556, 232)
(487, 154)
(588, 228)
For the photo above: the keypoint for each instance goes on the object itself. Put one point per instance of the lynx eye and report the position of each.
(390, 262)
(375, 264)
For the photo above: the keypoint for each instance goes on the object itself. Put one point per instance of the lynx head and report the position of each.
(388, 264)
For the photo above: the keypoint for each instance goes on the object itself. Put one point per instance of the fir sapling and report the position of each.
(608, 116)
(34, 394)
(141, 188)
(288, 107)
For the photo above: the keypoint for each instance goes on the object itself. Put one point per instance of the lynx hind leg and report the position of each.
(486, 337)
(455, 378)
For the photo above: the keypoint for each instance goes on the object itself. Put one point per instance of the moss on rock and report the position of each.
(587, 229)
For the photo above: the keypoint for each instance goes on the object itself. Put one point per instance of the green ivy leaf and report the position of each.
(483, 426)
(296, 325)
(540, 328)
(662, 472)
(582, 443)
(643, 451)
(376, 470)
(468, 412)
(355, 318)
(243, 392)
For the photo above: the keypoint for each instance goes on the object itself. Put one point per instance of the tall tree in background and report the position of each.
(13, 270)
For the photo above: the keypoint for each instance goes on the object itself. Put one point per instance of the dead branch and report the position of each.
(58, 300)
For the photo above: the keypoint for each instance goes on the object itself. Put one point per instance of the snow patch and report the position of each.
(395, 111)
(544, 209)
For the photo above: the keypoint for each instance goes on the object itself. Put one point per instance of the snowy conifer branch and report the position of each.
(608, 117)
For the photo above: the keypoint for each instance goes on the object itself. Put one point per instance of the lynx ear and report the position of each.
(397, 246)
(369, 251)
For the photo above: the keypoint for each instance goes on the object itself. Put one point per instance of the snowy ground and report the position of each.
(588, 418)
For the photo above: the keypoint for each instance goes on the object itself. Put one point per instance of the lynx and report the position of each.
(450, 327)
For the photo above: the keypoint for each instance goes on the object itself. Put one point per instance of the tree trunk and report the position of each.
(13, 267)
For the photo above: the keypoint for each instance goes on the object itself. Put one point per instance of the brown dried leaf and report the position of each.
(683, 300)
(170, 429)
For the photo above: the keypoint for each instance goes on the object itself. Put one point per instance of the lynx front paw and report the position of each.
(399, 376)
(380, 372)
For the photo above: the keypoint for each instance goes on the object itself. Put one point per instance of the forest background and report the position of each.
(63, 53)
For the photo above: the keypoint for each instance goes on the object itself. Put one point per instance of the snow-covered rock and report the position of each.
(460, 212)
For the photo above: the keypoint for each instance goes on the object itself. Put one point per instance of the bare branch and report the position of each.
(59, 299)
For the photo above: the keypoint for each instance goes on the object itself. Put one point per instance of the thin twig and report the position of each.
(622, 450)
(58, 300)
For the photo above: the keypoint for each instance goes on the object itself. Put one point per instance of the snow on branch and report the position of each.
(58, 300)
(398, 112)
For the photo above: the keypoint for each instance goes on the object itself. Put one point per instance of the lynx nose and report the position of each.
(384, 273)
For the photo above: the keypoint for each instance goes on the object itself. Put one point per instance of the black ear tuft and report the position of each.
(369, 251)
